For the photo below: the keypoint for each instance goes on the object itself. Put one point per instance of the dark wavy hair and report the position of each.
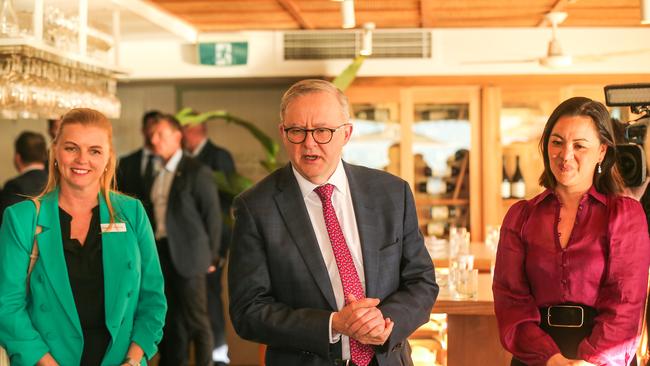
(610, 180)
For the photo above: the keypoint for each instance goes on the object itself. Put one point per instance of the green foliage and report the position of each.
(234, 183)
(348, 75)
(187, 116)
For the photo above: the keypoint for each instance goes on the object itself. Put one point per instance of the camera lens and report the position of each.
(631, 163)
(628, 166)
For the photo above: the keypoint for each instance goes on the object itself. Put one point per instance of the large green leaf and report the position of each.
(231, 184)
(187, 116)
(348, 75)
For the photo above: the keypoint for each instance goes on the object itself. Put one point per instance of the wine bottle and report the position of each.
(427, 171)
(505, 182)
(518, 186)
(442, 213)
(432, 185)
(421, 187)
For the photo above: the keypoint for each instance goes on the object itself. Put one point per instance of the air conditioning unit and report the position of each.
(323, 45)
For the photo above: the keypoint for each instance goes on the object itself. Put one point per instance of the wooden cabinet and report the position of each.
(428, 127)
(504, 117)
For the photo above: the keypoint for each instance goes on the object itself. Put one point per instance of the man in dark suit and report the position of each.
(135, 172)
(30, 155)
(187, 218)
(327, 265)
(197, 145)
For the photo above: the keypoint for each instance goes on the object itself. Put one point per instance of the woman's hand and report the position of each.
(559, 360)
(47, 360)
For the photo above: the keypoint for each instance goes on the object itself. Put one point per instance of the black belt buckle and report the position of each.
(565, 307)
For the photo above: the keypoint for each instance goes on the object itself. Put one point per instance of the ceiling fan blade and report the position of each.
(599, 57)
(487, 62)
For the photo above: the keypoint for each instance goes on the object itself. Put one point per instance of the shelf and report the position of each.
(426, 200)
(49, 53)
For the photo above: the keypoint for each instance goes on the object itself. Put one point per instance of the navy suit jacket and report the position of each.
(193, 218)
(29, 183)
(280, 291)
(220, 160)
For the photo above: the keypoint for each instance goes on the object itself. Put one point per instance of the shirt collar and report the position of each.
(199, 148)
(146, 152)
(338, 179)
(600, 197)
(597, 195)
(33, 166)
(172, 164)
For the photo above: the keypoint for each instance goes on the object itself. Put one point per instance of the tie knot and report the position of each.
(324, 192)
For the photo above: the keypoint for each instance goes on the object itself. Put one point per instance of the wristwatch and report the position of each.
(131, 362)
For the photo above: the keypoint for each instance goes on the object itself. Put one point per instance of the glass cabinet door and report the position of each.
(375, 137)
(443, 144)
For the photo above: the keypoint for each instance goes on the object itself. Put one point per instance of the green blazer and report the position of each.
(46, 319)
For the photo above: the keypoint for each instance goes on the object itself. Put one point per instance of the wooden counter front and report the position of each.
(472, 331)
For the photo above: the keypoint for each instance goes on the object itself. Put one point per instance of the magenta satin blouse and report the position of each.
(605, 265)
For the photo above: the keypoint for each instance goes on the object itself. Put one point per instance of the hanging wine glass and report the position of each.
(8, 20)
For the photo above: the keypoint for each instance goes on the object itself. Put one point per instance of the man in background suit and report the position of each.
(187, 218)
(30, 154)
(197, 145)
(136, 171)
(327, 265)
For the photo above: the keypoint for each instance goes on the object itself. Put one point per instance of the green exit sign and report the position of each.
(223, 53)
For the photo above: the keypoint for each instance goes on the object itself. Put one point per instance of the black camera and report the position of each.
(631, 154)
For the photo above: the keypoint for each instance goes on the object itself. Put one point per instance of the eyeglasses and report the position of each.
(322, 135)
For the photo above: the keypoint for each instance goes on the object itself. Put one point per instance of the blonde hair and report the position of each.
(88, 118)
(310, 86)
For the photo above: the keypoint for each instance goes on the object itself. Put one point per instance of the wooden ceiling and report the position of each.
(234, 15)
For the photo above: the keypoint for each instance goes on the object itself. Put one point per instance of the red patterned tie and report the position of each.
(361, 354)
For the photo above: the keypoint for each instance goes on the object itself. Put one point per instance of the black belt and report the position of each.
(567, 316)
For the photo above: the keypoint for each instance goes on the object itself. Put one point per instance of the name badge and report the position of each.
(118, 227)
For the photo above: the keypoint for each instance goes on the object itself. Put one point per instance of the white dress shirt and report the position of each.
(342, 202)
(145, 158)
(160, 192)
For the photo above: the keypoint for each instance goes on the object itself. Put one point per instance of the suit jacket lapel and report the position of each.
(294, 213)
(50, 245)
(366, 216)
(177, 183)
(113, 254)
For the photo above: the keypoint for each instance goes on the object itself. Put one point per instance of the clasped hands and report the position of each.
(363, 321)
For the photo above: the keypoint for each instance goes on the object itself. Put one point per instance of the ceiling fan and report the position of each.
(556, 57)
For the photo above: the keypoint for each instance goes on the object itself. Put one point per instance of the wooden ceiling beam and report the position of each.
(421, 10)
(292, 8)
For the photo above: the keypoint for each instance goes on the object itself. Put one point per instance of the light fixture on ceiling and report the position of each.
(645, 11)
(555, 56)
(347, 13)
(366, 39)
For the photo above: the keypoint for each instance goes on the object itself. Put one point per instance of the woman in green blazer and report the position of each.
(95, 295)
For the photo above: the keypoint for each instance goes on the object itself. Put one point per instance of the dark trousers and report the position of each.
(187, 316)
(567, 339)
(215, 307)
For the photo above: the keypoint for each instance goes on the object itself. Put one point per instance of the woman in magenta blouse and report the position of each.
(572, 264)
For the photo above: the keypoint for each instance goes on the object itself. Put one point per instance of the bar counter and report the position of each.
(473, 337)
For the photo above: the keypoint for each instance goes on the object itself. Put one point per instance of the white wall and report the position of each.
(136, 100)
(455, 52)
